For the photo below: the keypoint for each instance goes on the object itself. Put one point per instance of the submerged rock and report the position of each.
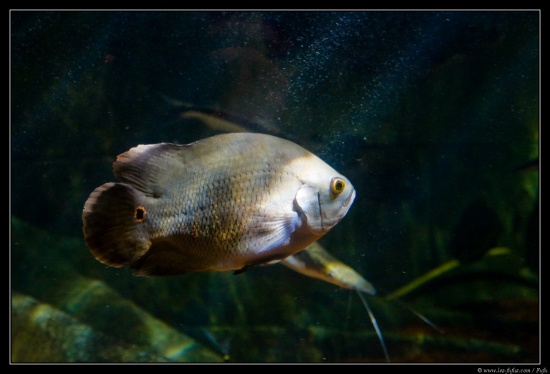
(78, 318)
(43, 333)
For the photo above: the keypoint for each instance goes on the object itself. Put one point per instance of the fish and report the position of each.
(225, 203)
(315, 262)
(216, 119)
(215, 122)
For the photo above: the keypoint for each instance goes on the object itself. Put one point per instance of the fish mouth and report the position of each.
(327, 223)
(350, 199)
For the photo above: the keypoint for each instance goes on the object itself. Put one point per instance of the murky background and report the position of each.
(434, 117)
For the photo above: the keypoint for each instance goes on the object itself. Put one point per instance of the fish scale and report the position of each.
(197, 231)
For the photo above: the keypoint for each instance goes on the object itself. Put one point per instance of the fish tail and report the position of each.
(114, 228)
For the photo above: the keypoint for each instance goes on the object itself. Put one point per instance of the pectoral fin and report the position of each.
(272, 228)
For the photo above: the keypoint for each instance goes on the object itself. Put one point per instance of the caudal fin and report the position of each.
(114, 224)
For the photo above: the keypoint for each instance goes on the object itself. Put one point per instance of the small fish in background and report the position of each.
(228, 202)
(217, 119)
(241, 85)
(316, 262)
(246, 81)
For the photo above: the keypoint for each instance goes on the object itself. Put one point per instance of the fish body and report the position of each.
(227, 202)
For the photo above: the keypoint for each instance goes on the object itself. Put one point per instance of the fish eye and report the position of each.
(337, 185)
(139, 213)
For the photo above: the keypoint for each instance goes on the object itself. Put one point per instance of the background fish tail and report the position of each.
(113, 227)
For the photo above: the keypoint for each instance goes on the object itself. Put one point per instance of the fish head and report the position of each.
(323, 200)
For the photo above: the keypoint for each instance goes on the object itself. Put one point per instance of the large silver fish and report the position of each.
(227, 202)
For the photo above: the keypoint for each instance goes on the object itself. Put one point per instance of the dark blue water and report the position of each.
(434, 117)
